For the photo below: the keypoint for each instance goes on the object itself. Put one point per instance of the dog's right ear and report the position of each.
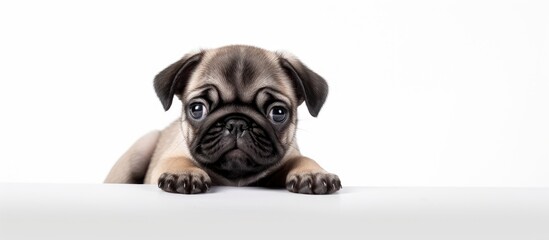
(172, 80)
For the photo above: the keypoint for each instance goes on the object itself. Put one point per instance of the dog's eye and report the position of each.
(198, 111)
(278, 114)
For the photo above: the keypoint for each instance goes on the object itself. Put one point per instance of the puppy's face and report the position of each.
(239, 106)
(240, 112)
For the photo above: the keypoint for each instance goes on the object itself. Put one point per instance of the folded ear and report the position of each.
(172, 80)
(310, 87)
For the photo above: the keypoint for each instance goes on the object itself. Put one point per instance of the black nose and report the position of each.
(236, 126)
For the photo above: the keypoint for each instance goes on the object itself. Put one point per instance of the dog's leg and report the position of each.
(304, 175)
(180, 175)
(132, 166)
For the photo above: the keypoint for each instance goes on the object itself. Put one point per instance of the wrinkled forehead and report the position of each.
(239, 74)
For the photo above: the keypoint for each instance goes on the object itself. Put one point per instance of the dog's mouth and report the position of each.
(236, 147)
(235, 164)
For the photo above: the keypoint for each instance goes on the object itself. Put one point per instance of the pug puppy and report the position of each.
(237, 126)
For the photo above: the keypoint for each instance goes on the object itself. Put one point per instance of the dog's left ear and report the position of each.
(172, 80)
(310, 87)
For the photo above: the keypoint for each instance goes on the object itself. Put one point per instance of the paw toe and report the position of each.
(313, 183)
(186, 183)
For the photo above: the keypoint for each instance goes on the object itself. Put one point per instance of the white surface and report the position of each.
(78, 211)
(440, 93)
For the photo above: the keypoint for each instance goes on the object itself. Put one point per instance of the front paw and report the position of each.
(313, 183)
(191, 182)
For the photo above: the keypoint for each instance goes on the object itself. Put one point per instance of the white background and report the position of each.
(422, 93)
